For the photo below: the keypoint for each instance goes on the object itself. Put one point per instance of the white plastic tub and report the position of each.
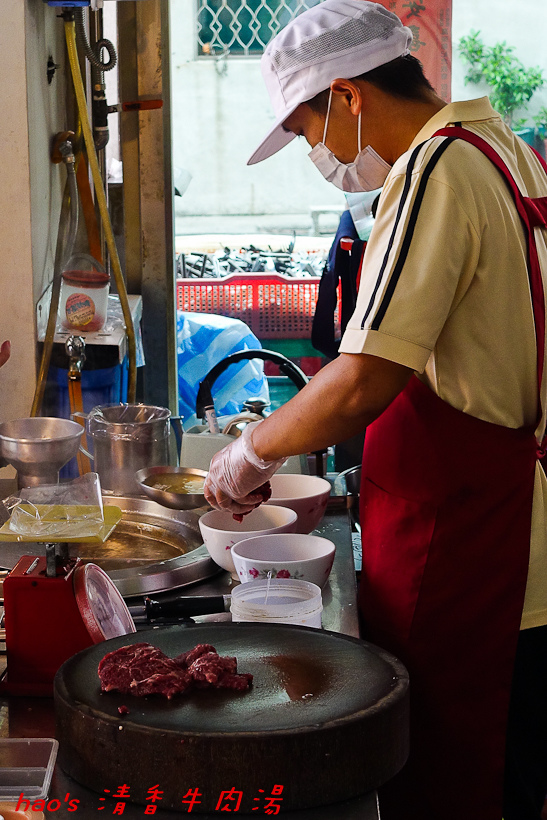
(289, 602)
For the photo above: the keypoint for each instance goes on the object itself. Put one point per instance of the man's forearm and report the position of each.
(340, 401)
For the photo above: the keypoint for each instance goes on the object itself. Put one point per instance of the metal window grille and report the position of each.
(243, 27)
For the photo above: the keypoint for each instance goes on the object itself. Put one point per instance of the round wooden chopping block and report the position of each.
(326, 718)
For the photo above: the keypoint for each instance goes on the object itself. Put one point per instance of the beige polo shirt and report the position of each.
(444, 287)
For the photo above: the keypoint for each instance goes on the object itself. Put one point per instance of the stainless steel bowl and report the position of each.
(352, 477)
(173, 500)
(352, 480)
(38, 447)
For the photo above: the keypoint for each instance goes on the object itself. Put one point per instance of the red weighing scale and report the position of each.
(55, 606)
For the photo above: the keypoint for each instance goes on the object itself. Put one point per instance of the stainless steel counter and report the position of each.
(34, 717)
(339, 594)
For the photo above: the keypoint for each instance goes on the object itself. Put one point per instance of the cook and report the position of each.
(441, 362)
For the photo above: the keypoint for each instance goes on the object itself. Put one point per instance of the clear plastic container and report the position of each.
(26, 767)
(83, 303)
(289, 602)
(9, 811)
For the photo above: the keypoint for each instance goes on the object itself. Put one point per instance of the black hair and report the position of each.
(403, 77)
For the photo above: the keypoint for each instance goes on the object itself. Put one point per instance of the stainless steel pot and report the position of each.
(127, 438)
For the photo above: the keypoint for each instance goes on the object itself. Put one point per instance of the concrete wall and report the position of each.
(521, 25)
(221, 111)
(30, 192)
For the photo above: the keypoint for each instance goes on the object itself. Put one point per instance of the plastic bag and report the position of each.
(203, 340)
(129, 422)
(73, 510)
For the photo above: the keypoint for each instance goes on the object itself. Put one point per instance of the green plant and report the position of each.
(540, 121)
(512, 84)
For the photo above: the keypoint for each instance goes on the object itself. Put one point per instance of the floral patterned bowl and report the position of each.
(307, 495)
(284, 555)
(220, 531)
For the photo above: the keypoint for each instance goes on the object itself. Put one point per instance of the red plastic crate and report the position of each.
(274, 306)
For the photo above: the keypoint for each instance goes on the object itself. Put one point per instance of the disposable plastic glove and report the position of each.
(235, 472)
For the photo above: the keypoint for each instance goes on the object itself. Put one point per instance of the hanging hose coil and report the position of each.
(94, 56)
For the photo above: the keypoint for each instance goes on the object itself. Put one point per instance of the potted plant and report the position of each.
(512, 85)
(540, 121)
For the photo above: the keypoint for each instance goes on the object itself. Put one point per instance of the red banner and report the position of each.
(431, 24)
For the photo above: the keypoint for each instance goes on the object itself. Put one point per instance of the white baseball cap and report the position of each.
(336, 38)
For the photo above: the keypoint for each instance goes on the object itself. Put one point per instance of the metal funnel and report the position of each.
(39, 447)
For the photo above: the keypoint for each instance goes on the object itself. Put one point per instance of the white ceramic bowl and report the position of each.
(220, 531)
(307, 495)
(285, 555)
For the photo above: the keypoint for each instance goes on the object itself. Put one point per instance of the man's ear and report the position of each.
(350, 93)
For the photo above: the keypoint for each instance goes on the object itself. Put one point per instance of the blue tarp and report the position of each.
(203, 340)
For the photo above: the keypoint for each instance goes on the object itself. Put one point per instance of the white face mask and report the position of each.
(367, 172)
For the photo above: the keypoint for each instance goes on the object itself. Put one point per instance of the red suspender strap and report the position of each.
(540, 158)
(533, 213)
(358, 281)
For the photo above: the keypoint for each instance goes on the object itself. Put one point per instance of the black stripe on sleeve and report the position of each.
(405, 245)
(402, 201)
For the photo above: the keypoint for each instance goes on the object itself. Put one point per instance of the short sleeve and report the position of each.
(421, 257)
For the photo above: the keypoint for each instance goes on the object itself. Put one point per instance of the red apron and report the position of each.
(446, 503)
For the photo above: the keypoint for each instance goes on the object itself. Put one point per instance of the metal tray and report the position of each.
(152, 550)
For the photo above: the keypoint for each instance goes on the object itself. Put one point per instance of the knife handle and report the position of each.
(185, 606)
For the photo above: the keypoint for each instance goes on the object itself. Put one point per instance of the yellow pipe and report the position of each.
(52, 319)
(66, 213)
(88, 209)
(70, 33)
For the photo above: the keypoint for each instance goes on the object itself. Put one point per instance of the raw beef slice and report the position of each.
(142, 669)
(187, 658)
(209, 669)
(265, 490)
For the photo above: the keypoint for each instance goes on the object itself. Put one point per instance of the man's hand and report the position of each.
(341, 400)
(236, 475)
